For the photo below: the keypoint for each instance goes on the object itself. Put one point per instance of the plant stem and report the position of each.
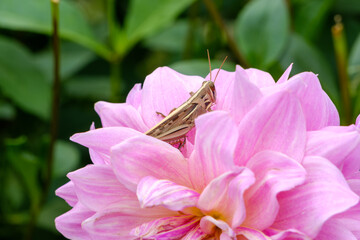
(115, 80)
(230, 39)
(340, 48)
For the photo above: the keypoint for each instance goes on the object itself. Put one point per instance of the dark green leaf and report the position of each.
(307, 58)
(261, 31)
(145, 17)
(52, 209)
(22, 80)
(66, 158)
(347, 6)
(7, 111)
(310, 15)
(89, 87)
(35, 16)
(200, 67)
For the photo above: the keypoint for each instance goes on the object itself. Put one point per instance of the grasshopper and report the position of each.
(174, 127)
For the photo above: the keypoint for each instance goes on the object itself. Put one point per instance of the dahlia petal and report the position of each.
(214, 148)
(341, 147)
(102, 139)
(163, 90)
(134, 96)
(224, 195)
(358, 121)
(154, 192)
(288, 234)
(208, 224)
(69, 224)
(280, 126)
(223, 84)
(197, 234)
(120, 115)
(335, 230)
(259, 78)
(242, 97)
(318, 109)
(324, 194)
(143, 156)
(166, 228)
(250, 233)
(275, 172)
(97, 187)
(67, 192)
(285, 76)
(97, 158)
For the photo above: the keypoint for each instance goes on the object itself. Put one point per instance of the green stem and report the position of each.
(230, 39)
(340, 48)
(115, 80)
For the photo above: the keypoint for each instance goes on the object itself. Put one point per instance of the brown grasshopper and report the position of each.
(174, 127)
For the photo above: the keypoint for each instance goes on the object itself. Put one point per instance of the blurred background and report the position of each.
(106, 46)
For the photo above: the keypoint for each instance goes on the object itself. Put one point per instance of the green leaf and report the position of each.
(7, 111)
(67, 158)
(310, 15)
(200, 67)
(72, 59)
(145, 17)
(35, 16)
(347, 6)
(307, 58)
(22, 81)
(261, 31)
(171, 39)
(88, 87)
(354, 72)
(51, 210)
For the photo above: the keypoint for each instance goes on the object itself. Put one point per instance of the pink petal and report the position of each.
(318, 109)
(250, 233)
(275, 173)
(275, 123)
(163, 90)
(285, 75)
(214, 148)
(324, 194)
(208, 224)
(166, 228)
(67, 192)
(224, 196)
(69, 224)
(289, 234)
(102, 139)
(134, 96)
(358, 121)
(259, 78)
(335, 230)
(143, 156)
(341, 147)
(197, 234)
(120, 115)
(97, 187)
(153, 192)
(240, 97)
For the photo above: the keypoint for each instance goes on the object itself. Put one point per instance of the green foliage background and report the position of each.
(107, 46)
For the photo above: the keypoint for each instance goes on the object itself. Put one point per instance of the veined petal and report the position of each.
(241, 95)
(97, 187)
(341, 147)
(285, 76)
(143, 156)
(259, 78)
(250, 233)
(223, 197)
(214, 148)
(134, 96)
(317, 107)
(197, 234)
(288, 234)
(279, 126)
(166, 228)
(308, 206)
(102, 139)
(154, 192)
(67, 192)
(274, 172)
(120, 115)
(209, 224)
(335, 230)
(69, 224)
(163, 90)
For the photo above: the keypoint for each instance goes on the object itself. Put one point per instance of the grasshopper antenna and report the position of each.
(219, 69)
(209, 61)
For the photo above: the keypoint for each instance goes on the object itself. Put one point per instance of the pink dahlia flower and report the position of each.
(270, 162)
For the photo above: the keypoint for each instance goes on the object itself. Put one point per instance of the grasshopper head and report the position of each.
(212, 91)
